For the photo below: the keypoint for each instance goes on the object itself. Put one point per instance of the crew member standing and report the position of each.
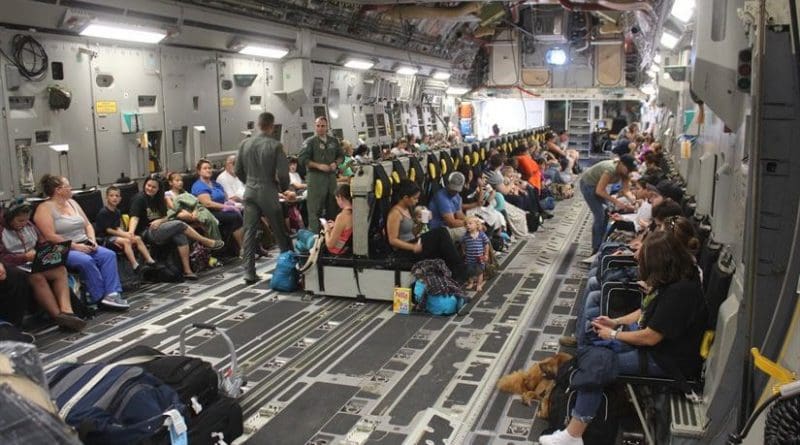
(321, 154)
(263, 167)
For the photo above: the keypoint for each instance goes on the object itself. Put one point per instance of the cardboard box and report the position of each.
(401, 298)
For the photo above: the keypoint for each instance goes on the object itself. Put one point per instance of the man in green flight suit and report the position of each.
(321, 154)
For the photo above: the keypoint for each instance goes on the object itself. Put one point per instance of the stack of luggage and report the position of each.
(140, 396)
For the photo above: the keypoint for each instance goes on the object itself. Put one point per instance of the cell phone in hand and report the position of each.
(323, 222)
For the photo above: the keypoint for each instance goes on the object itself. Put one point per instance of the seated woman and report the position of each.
(212, 196)
(339, 232)
(61, 219)
(149, 220)
(435, 243)
(668, 327)
(186, 207)
(18, 241)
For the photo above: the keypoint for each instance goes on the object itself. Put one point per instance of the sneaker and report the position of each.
(560, 438)
(9, 332)
(70, 321)
(568, 341)
(114, 300)
(589, 260)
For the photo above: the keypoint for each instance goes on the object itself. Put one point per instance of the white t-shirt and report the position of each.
(294, 178)
(231, 184)
(642, 216)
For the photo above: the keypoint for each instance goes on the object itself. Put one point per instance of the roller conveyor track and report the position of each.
(324, 370)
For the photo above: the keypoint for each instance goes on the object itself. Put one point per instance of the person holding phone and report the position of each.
(61, 219)
(18, 241)
(338, 233)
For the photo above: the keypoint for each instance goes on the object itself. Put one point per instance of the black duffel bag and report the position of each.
(195, 380)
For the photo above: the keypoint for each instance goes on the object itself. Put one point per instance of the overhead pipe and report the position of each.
(404, 12)
(608, 5)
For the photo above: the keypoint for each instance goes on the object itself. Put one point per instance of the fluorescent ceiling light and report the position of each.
(555, 56)
(124, 32)
(406, 70)
(456, 91)
(669, 40)
(441, 75)
(270, 52)
(683, 10)
(358, 64)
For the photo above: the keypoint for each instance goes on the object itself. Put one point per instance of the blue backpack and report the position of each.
(284, 277)
(112, 404)
(304, 241)
(436, 304)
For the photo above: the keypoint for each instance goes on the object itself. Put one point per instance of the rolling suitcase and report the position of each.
(221, 422)
(195, 380)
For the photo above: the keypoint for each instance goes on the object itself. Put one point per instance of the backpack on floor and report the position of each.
(284, 277)
(166, 271)
(435, 304)
(112, 404)
(199, 257)
(128, 278)
(78, 300)
(603, 428)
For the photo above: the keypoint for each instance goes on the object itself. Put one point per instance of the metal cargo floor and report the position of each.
(326, 371)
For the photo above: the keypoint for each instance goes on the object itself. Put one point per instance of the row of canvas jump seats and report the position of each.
(619, 298)
(91, 199)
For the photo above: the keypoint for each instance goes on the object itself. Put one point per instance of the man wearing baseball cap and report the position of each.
(446, 209)
(594, 188)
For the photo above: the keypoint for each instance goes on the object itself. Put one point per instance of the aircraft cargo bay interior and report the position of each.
(355, 222)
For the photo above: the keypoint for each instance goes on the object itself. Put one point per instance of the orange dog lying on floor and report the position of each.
(536, 382)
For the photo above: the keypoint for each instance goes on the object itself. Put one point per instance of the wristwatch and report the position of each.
(614, 334)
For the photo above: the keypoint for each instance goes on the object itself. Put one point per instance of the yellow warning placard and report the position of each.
(105, 106)
(226, 102)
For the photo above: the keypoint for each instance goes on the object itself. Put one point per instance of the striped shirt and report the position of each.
(474, 247)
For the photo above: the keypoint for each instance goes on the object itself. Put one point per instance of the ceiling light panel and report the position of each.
(406, 70)
(268, 52)
(124, 32)
(359, 64)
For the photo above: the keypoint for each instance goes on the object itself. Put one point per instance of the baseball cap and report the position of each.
(628, 162)
(667, 189)
(455, 182)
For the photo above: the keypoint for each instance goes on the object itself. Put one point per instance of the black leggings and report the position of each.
(229, 222)
(15, 294)
(437, 243)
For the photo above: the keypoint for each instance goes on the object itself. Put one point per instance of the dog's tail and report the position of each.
(510, 383)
